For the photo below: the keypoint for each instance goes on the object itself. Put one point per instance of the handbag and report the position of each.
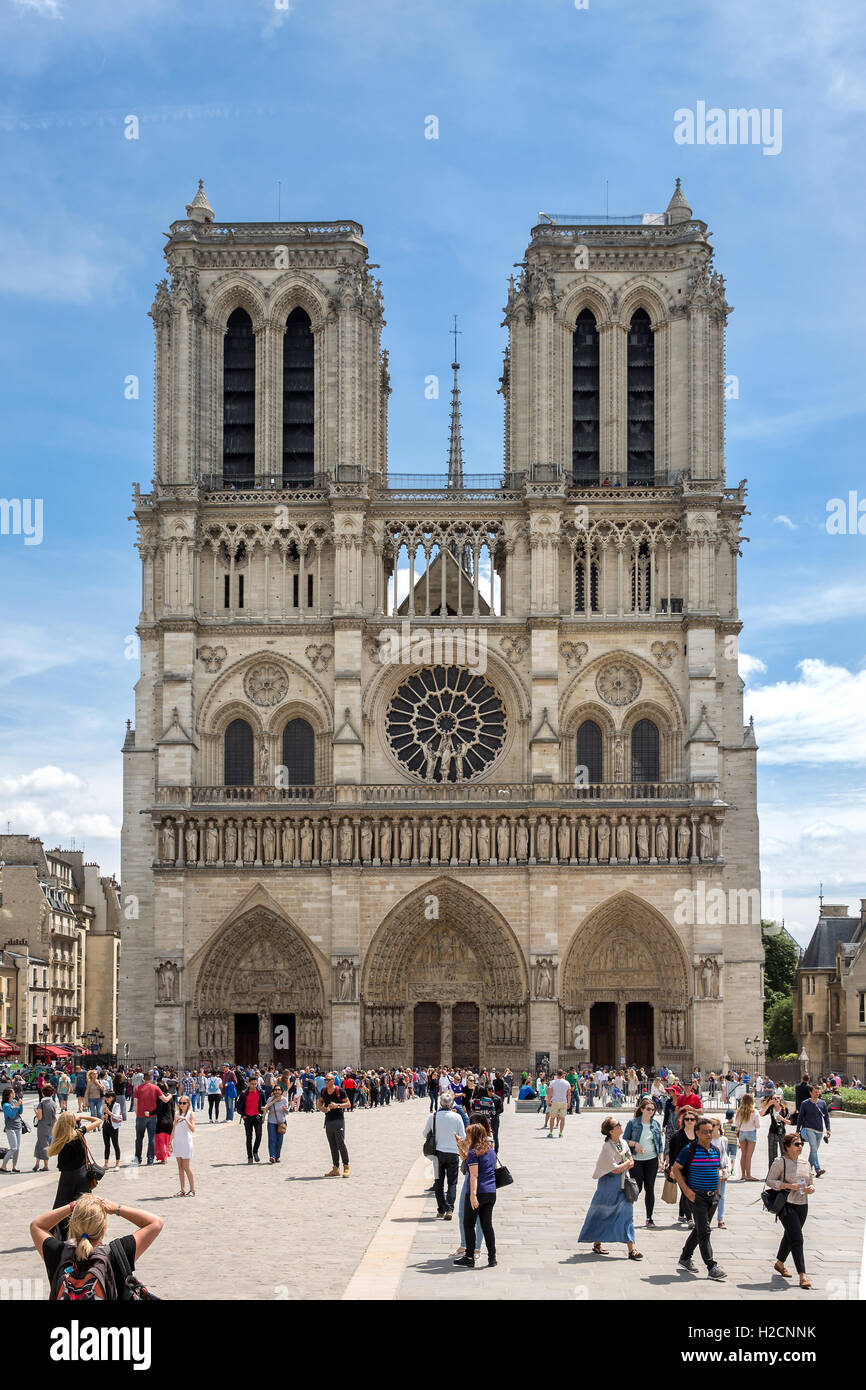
(94, 1172)
(281, 1128)
(775, 1202)
(630, 1188)
(429, 1148)
(670, 1191)
(501, 1175)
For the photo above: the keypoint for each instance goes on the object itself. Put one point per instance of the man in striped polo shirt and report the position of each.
(697, 1171)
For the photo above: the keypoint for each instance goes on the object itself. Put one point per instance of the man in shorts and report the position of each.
(558, 1096)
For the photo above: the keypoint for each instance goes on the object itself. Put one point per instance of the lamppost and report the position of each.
(755, 1046)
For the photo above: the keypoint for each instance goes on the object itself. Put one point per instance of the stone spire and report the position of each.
(678, 209)
(199, 210)
(455, 447)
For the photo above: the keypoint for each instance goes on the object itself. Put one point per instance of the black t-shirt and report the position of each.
(72, 1155)
(334, 1098)
(52, 1253)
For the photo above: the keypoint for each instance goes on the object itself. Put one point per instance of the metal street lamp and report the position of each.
(755, 1046)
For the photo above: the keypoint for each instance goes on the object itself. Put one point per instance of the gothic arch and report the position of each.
(317, 703)
(587, 293)
(258, 960)
(600, 715)
(491, 939)
(657, 692)
(296, 290)
(645, 292)
(626, 945)
(235, 291)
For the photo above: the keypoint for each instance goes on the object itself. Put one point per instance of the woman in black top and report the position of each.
(68, 1146)
(779, 1117)
(164, 1125)
(87, 1253)
(684, 1134)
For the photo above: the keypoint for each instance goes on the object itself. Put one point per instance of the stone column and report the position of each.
(446, 1034)
(265, 1044)
(620, 1033)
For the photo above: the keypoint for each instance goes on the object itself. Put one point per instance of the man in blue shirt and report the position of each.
(813, 1117)
(698, 1174)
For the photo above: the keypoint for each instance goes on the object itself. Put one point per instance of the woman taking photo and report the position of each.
(276, 1112)
(183, 1128)
(45, 1116)
(112, 1119)
(748, 1124)
(93, 1094)
(481, 1168)
(164, 1126)
(790, 1173)
(611, 1215)
(775, 1107)
(643, 1135)
(69, 1149)
(85, 1259)
(12, 1110)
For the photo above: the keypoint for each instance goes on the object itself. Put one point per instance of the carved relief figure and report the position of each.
(288, 842)
(306, 838)
(231, 838)
(249, 842)
(167, 850)
(684, 839)
(618, 759)
(366, 841)
(326, 842)
(603, 836)
(458, 761)
(563, 837)
(269, 842)
(430, 762)
(542, 839)
(212, 843)
(521, 840)
(623, 840)
(464, 842)
(482, 835)
(643, 839)
(445, 841)
(662, 840)
(166, 983)
(346, 841)
(425, 840)
(406, 841)
(705, 840)
(385, 842)
(583, 840)
(544, 978)
(190, 840)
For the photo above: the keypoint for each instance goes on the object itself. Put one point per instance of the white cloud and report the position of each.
(28, 650)
(803, 846)
(51, 8)
(43, 779)
(811, 604)
(749, 665)
(817, 719)
(785, 521)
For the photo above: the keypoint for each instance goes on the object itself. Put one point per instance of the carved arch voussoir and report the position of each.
(235, 291)
(652, 934)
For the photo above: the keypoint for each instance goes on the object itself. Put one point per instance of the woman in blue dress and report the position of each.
(611, 1214)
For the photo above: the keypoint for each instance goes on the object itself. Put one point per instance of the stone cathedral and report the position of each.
(440, 768)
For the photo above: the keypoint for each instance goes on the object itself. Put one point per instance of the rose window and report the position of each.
(445, 724)
(266, 684)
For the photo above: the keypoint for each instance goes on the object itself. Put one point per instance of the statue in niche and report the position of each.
(306, 838)
(666, 1032)
(706, 974)
(705, 841)
(346, 980)
(425, 841)
(603, 837)
(543, 978)
(521, 841)
(583, 840)
(269, 842)
(458, 761)
(542, 839)
(406, 841)
(444, 841)
(326, 842)
(662, 840)
(288, 842)
(643, 839)
(263, 761)
(385, 842)
(684, 839)
(679, 1027)
(249, 842)
(482, 835)
(464, 842)
(618, 759)
(623, 840)
(231, 838)
(166, 983)
(430, 762)
(346, 841)
(446, 755)
(366, 841)
(168, 849)
(212, 843)
(563, 838)
(190, 840)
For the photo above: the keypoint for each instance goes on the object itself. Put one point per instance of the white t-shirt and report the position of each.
(116, 1115)
(558, 1089)
(444, 1082)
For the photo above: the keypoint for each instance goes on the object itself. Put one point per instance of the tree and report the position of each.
(781, 957)
(779, 1027)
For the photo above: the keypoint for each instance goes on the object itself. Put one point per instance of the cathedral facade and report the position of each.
(440, 768)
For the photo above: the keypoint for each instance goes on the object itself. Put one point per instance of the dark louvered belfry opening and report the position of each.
(298, 400)
(589, 751)
(238, 746)
(585, 399)
(299, 753)
(641, 399)
(580, 586)
(645, 752)
(239, 399)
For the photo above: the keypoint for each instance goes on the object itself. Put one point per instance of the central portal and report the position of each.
(443, 975)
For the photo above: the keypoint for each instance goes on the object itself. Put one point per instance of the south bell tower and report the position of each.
(298, 789)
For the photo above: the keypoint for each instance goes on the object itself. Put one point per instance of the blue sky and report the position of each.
(541, 106)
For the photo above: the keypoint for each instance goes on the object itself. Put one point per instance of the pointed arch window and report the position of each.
(589, 754)
(585, 399)
(641, 579)
(640, 373)
(299, 753)
(239, 399)
(298, 400)
(238, 754)
(581, 570)
(645, 751)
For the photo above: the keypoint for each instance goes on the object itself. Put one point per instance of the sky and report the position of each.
(325, 105)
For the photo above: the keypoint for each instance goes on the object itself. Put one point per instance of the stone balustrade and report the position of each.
(465, 793)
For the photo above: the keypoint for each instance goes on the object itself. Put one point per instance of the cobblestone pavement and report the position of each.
(285, 1232)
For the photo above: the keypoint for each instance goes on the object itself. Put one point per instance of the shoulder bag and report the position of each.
(93, 1170)
(430, 1139)
(501, 1175)
(775, 1202)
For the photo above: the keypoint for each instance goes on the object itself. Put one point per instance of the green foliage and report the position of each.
(779, 1025)
(852, 1101)
(780, 962)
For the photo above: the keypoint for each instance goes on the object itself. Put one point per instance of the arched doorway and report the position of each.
(626, 976)
(258, 995)
(444, 980)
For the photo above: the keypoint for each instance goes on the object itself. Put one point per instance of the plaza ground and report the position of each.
(286, 1232)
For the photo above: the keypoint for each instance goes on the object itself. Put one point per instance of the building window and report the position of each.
(238, 751)
(810, 1019)
(299, 753)
(862, 1015)
(640, 373)
(585, 400)
(298, 400)
(641, 579)
(580, 603)
(645, 752)
(589, 750)
(837, 1008)
(239, 398)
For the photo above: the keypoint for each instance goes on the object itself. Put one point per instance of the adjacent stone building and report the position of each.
(440, 768)
(830, 992)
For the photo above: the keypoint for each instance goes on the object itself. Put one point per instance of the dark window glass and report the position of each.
(227, 591)
(299, 753)
(294, 591)
(238, 754)
(309, 591)
(580, 586)
(589, 750)
(640, 369)
(645, 752)
(239, 398)
(585, 399)
(240, 591)
(298, 400)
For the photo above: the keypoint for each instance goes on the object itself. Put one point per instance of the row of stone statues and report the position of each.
(385, 1027)
(505, 1025)
(464, 840)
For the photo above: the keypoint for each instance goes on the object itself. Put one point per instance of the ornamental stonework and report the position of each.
(618, 683)
(446, 724)
(266, 684)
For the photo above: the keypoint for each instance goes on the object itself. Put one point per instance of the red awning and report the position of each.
(53, 1050)
(8, 1049)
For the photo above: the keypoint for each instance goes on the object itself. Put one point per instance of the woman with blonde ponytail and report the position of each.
(68, 1147)
(84, 1266)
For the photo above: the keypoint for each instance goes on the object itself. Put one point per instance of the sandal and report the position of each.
(635, 1255)
(598, 1249)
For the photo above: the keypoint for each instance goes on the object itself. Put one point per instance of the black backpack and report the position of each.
(86, 1281)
